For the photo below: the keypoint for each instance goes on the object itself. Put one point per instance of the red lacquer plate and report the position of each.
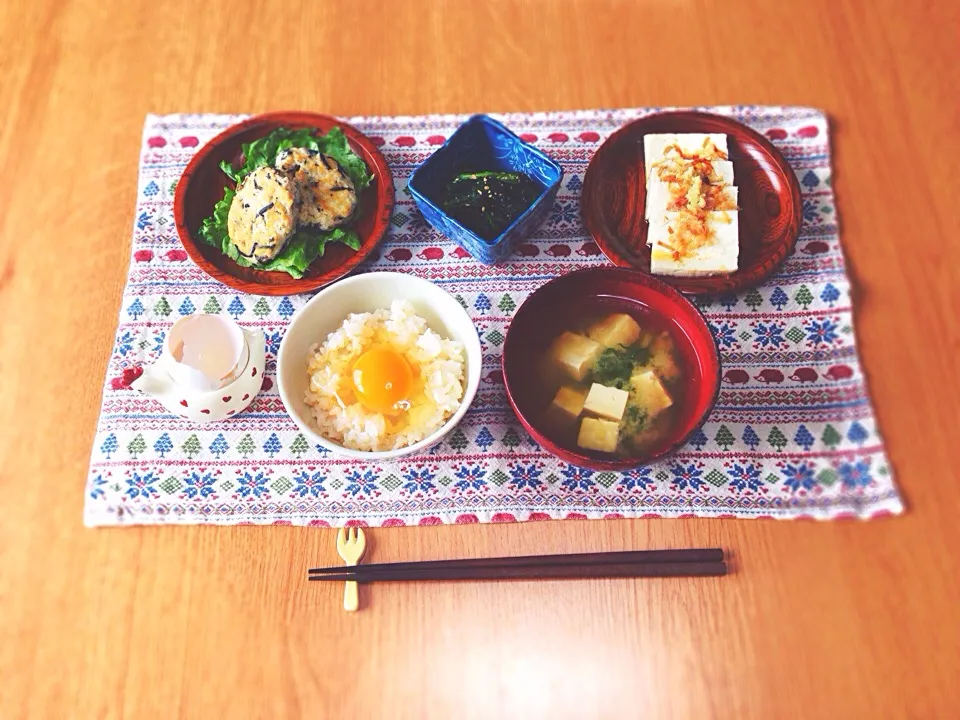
(202, 184)
(614, 197)
(548, 312)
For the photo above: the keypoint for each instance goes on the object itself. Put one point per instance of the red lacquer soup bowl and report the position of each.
(656, 306)
(202, 184)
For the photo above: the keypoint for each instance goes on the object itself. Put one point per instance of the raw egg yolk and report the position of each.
(382, 378)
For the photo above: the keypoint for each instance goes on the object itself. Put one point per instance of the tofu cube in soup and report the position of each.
(663, 358)
(649, 393)
(613, 330)
(574, 354)
(606, 402)
(598, 434)
(565, 408)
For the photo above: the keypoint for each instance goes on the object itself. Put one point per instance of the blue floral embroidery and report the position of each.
(471, 478)
(142, 485)
(252, 484)
(577, 478)
(564, 212)
(685, 476)
(725, 333)
(419, 481)
(821, 331)
(197, 484)
(97, 490)
(746, 476)
(125, 342)
(272, 341)
(769, 335)
(358, 483)
(855, 475)
(636, 479)
(525, 476)
(799, 477)
(307, 483)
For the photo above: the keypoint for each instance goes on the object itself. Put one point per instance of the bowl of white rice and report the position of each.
(379, 366)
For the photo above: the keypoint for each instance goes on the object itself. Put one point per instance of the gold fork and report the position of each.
(351, 543)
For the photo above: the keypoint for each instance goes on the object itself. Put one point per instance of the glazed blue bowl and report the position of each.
(482, 143)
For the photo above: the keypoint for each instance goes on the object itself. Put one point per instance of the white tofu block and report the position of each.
(718, 257)
(574, 354)
(649, 393)
(565, 408)
(655, 144)
(606, 402)
(596, 434)
(659, 196)
(616, 329)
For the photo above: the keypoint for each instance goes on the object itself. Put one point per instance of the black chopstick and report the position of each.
(705, 555)
(359, 574)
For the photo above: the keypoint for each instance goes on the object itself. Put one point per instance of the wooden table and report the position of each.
(833, 620)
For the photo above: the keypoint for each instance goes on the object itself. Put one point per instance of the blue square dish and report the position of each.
(482, 143)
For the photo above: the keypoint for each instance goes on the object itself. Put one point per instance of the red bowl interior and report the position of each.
(546, 313)
(201, 187)
(614, 197)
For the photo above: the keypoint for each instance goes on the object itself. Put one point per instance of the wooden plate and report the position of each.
(202, 184)
(614, 197)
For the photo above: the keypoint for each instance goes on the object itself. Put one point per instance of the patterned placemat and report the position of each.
(793, 434)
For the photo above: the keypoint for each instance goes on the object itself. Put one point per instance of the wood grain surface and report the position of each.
(831, 620)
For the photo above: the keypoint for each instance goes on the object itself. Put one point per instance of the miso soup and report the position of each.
(611, 382)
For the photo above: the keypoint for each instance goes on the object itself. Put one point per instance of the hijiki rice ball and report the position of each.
(263, 214)
(328, 197)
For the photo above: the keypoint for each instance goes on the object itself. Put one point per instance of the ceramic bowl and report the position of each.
(482, 143)
(546, 313)
(201, 187)
(366, 293)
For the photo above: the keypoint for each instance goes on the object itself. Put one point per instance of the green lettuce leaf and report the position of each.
(305, 247)
(307, 244)
(265, 150)
(334, 144)
(213, 229)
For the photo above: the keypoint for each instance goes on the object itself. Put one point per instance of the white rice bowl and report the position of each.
(439, 364)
